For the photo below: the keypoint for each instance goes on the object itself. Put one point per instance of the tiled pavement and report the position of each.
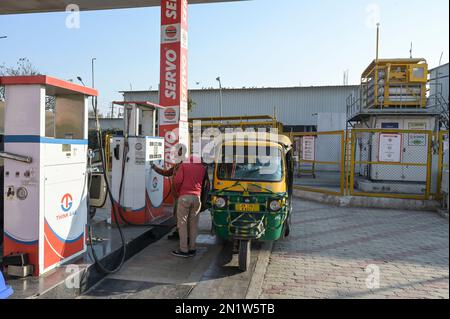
(338, 252)
(327, 256)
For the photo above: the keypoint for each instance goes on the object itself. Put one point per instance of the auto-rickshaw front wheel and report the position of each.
(288, 222)
(244, 254)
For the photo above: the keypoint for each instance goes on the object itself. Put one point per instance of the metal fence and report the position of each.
(320, 162)
(443, 160)
(385, 163)
(390, 163)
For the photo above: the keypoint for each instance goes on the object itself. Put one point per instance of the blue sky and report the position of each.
(250, 43)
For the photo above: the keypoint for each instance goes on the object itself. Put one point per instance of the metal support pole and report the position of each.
(92, 70)
(378, 41)
(221, 96)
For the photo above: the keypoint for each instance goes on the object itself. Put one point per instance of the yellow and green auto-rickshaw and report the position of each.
(251, 199)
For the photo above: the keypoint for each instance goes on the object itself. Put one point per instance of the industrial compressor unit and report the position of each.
(392, 83)
(45, 169)
(392, 109)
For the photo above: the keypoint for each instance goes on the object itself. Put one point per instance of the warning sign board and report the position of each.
(309, 148)
(390, 148)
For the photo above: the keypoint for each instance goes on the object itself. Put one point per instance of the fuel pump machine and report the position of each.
(138, 191)
(45, 175)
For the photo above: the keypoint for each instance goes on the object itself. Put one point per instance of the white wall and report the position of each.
(2, 117)
(440, 75)
(328, 147)
(331, 122)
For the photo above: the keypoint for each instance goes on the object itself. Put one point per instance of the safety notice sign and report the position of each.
(417, 139)
(309, 148)
(390, 148)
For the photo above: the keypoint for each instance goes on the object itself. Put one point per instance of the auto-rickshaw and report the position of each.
(251, 198)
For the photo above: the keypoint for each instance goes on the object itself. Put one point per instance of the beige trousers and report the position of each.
(187, 221)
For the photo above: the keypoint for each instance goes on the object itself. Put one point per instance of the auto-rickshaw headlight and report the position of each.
(275, 205)
(220, 202)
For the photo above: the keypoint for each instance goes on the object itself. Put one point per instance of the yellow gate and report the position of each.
(320, 162)
(391, 163)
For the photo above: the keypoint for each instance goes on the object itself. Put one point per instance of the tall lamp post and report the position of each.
(81, 80)
(92, 69)
(221, 97)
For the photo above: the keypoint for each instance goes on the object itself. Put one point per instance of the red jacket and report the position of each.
(189, 179)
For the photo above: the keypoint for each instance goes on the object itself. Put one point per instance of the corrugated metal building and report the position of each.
(439, 80)
(296, 107)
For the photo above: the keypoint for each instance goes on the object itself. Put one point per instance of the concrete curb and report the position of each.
(369, 202)
(255, 287)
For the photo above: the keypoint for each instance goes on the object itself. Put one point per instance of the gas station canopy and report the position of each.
(33, 6)
(54, 86)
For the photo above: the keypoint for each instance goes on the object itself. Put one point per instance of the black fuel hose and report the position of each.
(114, 210)
(117, 212)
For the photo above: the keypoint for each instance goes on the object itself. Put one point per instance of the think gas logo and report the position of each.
(155, 183)
(66, 202)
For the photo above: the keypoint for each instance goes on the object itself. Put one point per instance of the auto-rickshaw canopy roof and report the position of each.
(34, 6)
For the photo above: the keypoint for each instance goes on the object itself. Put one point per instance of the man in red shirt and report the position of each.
(170, 173)
(188, 184)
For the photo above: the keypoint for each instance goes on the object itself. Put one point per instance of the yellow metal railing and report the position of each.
(397, 73)
(340, 165)
(352, 157)
(442, 137)
(427, 164)
(107, 143)
(239, 122)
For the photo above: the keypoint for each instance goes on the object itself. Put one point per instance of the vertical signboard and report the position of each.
(390, 148)
(309, 148)
(173, 78)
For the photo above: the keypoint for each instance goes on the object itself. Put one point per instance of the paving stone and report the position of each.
(331, 247)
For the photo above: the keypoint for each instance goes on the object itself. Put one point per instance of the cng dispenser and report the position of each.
(137, 190)
(45, 170)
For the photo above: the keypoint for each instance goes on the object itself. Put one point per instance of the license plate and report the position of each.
(247, 207)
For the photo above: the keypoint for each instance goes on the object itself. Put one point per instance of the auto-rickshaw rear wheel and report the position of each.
(244, 254)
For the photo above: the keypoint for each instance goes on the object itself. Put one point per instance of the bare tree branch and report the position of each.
(23, 67)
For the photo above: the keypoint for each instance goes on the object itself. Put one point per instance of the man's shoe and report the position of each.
(179, 253)
(192, 253)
